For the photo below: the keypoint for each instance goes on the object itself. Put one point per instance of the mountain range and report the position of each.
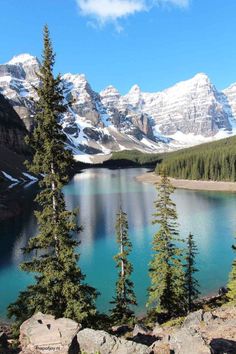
(188, 113)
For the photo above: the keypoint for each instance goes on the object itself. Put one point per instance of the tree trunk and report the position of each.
(122, 261)
(54, 205)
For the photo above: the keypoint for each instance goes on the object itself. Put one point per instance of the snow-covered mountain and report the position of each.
(189, 113)
(17, 78)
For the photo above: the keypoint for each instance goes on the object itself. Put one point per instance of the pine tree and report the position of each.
(231, 295)
(59, 287)
(125, 296)
(166, 268)
(191, 283)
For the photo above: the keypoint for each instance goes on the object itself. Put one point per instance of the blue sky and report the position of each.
(153, 43)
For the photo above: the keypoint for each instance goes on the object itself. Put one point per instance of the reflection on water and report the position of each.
(100, 197)
(15, 232)
(99, 193)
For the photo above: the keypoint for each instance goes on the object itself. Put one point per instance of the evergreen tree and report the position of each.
(125, 296)
(232, 281)
(59, 287)
(191, 283)
(166, 293)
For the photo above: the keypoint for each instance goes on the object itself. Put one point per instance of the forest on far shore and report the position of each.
(212, 161)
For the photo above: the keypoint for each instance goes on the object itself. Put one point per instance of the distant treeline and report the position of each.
(123, 159)
(212, 161)
(135, 157)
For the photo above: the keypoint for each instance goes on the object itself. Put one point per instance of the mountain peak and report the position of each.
(135, 88)
(201, 76)
(181, 87)
(70, 76)
(110, 90)
(21, 59)
(76, 81)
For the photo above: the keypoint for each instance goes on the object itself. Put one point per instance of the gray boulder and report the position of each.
(193, 319)
(208, 317)
(91, 341)
(157, 330)
(184, 342)
(159, 347)
(43, 334)
(140, 329)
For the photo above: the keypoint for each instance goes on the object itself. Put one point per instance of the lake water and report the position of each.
(210, 216)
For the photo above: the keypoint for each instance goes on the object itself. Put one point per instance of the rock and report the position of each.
(222, 291)
(201, 333)
(207, 317)
(121, 330)
(72, 130)
(92, 133)
(160, 348)
(183, 342)
(146, 339)
(143, 336)
(157, 330)
(45, 334)
(91, 341)
(193, 319)
(140, 329)
(13, 149)
(225, 329)
(219, 346)
(128, 347)
(12, 129)
(226, 313)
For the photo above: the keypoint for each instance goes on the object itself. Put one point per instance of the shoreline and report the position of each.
(152, 178)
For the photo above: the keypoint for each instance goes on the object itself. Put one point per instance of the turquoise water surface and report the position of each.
(210, 216)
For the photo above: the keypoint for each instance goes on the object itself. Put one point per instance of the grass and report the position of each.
(176, 322)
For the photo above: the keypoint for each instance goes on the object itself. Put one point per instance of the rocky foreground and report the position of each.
(201, 332)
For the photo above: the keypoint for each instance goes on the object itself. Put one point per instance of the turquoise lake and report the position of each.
(210, 216)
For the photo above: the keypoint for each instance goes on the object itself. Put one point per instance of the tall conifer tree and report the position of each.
(166, 293)
(59, 287)
(191, 283)
(232, 281)
(125, 296)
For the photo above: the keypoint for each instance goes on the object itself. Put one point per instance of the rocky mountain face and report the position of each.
(193, 106)
(13, 150)
(12, 129)
(189, 113)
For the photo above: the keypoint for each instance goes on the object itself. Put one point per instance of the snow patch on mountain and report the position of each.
(9, 177)
(21, 58)
(30, 177)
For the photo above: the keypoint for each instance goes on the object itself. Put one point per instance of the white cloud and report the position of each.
(112, 10)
